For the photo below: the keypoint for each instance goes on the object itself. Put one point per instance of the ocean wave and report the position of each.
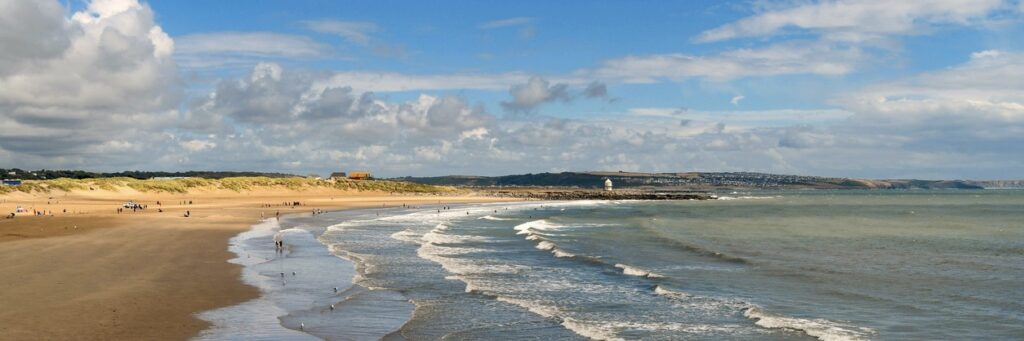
(489, 217)
(605, 329)
(530, 230)
(436, 237)
(671, 293)
(704, 305)
(595, 331)
(446, 256)
(635, 271)
(547, 245)
(407, 235)
(537, 226)
(695, 249)
(821, 329)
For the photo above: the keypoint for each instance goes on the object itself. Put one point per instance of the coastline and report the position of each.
(88, 272)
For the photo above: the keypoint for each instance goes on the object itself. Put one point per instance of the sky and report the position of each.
(928, 89)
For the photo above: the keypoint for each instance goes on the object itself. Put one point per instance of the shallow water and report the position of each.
(766, 266)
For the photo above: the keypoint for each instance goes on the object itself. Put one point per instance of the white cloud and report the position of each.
(778, 59)
(78, 88)
(736, 100)
(988, 88)
(749, 118)
(100, 90)
(394, 82)
(197, 145)
(857, 20)
(537, 90)
(515, 21)
(247, 48)
(354, 31)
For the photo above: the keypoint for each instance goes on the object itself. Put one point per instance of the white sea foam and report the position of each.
(441, 227)
(822, 329)
(407, 235)
(595, 331)
(436, 237)
(671, 293)
(703, 305)
(589, 330)
(546, 245)
(489, 217)
(635, 271)
(562, 254)
(530, 228)
(537, 226)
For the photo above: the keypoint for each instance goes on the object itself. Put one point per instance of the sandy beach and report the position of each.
(89, 272)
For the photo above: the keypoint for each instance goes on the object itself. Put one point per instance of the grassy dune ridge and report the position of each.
(237, 184)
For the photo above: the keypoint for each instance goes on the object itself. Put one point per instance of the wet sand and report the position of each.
(92, 274)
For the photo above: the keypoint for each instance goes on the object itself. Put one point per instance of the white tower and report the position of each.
(608, 184)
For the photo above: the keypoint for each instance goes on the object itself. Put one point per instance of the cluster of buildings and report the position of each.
(350, 176)
(11, 182)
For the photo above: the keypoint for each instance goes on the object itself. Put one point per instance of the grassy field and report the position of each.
(237, 184)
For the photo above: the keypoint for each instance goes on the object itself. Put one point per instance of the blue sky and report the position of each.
(925, 89)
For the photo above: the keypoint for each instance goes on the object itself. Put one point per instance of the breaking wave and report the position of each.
(635, 271)
(822, 329)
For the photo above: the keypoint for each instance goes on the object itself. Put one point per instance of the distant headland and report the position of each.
(702, 181)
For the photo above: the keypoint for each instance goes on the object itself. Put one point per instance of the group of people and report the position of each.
(133, 206)
(35, 212)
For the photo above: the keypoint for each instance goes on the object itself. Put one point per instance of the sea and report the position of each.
(765, 265)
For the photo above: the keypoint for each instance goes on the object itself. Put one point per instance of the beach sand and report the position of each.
(91, 273)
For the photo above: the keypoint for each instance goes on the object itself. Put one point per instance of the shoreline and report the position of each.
(296, 305)
(97, 274)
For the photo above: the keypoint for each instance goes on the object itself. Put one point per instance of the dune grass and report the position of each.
(237, 184)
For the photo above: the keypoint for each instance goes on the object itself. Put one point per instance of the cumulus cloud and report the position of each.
(854, 20)
(281, 113)
(93, 85)
(28, 30)
(536, 91)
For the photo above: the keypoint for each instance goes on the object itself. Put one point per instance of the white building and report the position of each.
(608, 184)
